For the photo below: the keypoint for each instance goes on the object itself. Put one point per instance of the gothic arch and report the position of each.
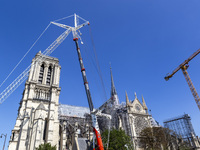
(49, 74)
(41, 74)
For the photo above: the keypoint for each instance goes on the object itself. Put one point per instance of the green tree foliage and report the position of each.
(153, 138)
(118, 140)
(157, 138)
(46, 146)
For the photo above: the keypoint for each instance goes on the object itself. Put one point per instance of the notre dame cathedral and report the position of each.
(42, 119)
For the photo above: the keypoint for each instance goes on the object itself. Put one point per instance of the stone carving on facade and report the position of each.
(42, 94)
(140, 123)
(38, 124)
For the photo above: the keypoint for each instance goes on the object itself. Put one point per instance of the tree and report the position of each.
(118, 140)
(46, 146)
(157, 137)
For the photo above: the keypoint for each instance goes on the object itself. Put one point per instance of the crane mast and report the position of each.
(191, 86)
(184, 67)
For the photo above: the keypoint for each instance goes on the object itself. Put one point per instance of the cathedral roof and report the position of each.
(73, 111)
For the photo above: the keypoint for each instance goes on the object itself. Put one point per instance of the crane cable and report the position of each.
(97, 62)
(100, 74)
(63, 18)
(92, 63)
(25, 55)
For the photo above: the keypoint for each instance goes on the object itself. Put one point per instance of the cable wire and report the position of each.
(81, 18)
(93, 62)
(24, 55)
(63, 18)
(97, 62)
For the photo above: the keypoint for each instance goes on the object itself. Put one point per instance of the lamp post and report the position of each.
(4, 139)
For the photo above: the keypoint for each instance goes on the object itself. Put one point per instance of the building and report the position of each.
(37, 121)
(183, 128)
(42, 119)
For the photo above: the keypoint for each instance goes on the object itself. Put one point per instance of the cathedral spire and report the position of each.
(113, 89)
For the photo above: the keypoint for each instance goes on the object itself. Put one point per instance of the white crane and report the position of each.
(19, 80)
(13, 86)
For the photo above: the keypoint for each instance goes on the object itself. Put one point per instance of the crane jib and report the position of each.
(184, 67)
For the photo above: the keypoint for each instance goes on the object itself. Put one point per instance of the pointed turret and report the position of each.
(127, 100)
(113, 89)
(144, 104)
(136, 96)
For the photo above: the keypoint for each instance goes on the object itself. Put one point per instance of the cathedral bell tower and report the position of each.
(37, 121)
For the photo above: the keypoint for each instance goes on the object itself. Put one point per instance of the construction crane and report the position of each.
(93, 114)
(184, 67)
(13, 86)
(19, 80)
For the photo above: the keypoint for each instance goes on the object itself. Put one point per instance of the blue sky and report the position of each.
(143, 40)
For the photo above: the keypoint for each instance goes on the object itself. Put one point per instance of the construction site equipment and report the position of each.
(184, 67)
(182, 126)
(13, 86)
(19, 80)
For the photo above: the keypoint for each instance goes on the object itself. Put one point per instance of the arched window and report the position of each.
(49, 76)
(41, 74)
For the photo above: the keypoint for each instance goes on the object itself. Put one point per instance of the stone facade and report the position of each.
(42, 119)
(37, 121)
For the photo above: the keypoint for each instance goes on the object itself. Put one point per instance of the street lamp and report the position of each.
(4, 139)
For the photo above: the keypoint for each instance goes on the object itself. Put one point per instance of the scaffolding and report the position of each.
(182, 126)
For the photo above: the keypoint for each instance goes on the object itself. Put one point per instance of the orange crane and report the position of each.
(184, 67)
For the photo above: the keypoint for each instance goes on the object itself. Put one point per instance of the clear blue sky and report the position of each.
(144, 40)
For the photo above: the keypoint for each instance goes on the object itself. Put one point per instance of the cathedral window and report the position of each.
(49, 76)
(41, 74)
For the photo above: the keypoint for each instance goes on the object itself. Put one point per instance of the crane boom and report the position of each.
(94, 117)
(184, 67)
(18, 81)
(181, 65)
